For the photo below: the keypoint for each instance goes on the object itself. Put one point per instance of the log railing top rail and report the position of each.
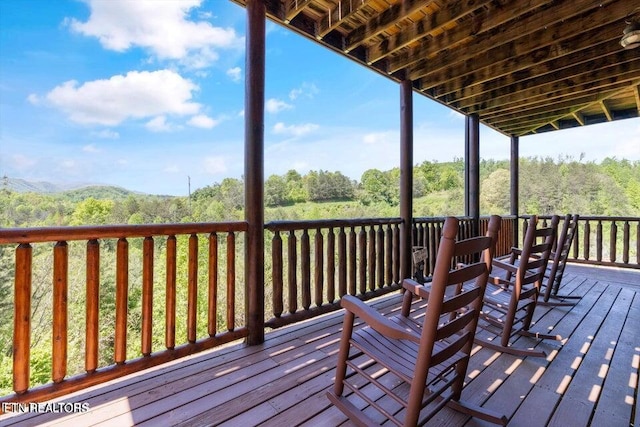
(56, 234)
(328, 223)
(593, 217)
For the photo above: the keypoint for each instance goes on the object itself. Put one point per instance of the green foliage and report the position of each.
(546, 186)
(92, 212)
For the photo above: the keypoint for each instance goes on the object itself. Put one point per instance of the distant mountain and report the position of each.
(78, 191)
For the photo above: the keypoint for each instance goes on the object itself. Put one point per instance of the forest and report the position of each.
(610, 187)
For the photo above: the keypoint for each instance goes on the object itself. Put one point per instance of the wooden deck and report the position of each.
(591, 378)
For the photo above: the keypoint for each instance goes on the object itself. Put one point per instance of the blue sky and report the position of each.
(144, 94)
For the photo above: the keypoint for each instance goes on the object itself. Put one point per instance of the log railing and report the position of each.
(315, 263)
(174, 240)
(604, 240)
(427, 232)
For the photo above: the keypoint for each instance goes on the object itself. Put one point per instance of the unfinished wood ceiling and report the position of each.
(522, 66)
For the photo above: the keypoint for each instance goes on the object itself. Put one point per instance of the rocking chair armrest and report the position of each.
(376, 320)
(416, 288)
(505, 266)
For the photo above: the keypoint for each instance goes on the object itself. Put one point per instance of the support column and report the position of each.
(254, 170)
(406, 177)
(515, 186)
(473, 169)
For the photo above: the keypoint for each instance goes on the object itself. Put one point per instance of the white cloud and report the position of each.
(215, 165)
(171, 169)
(163, 28)
(22, 162)
(106, 134)
(159, 124)
(276, 105)
(380, 137)
(134, 95)
(34, 99)
(308, 90)
(294, 130)
(234, 73)
(202, 121)
(90, 148)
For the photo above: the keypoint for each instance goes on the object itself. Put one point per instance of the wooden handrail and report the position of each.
(599, 239)
(28, 238)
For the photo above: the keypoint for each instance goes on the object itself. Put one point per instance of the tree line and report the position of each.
(610, 187)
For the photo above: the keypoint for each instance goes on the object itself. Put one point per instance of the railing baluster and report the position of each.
(362, 270)
(625, 243)
(613, 236)
(231, 281)
(92, 304)
(371, 257)
(576, 241)
(147, 295)
(342, 263)
(380, 256)
(22, 318)
(638, 243)
(388, 255)
(60, 312)
(122, 293)
(292, 273)
(192, 289)
(396, 253)
(331, 266)
(277, 267)
(319, 267)
(305, 265)
(170, 298)
(599, 241)
(587, 237)
(212, 318)
(353, 261)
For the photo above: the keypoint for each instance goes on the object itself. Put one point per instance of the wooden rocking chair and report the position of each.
(424, 367)
(555, 267)
(513, 290)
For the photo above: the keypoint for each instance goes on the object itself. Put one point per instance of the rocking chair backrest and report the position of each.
(452, 316)
(537, 246)
(560, 255)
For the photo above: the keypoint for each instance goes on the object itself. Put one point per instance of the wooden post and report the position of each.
(254, 170)
(473, 170)
(406, 176)
(515, 177)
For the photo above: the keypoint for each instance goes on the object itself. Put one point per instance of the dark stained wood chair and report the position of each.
(513, 290)
(424, 367)
(555, 268)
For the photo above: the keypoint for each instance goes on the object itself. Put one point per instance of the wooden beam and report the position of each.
(579, 117)
(254, 169)
(636, 92)
(606, 110)
(611, 65)
(406, 176)
(337, 14)
(521, 128)
(420, 29)
(381, 22)
(492, 18)
(523, 52)
(291, 8)
(530, 100)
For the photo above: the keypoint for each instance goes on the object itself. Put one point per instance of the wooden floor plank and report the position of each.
(586, 384)
(284, 381)
(615, 404)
